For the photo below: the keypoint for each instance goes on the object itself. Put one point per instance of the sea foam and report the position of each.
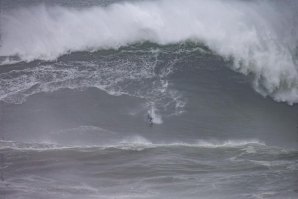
(260, 37)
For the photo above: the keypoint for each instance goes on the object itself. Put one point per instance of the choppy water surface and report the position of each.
(140, 169)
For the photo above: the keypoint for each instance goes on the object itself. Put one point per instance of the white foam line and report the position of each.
(132, 143)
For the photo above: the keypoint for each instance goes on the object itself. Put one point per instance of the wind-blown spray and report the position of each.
(259, 36)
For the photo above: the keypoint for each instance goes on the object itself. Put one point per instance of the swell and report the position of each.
(260, 37)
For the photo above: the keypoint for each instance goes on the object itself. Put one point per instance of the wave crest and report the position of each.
(260, 36)
(137, 143)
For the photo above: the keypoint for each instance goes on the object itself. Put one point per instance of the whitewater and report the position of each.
(259, 37)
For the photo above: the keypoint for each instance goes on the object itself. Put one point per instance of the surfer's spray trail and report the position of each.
(260, 37)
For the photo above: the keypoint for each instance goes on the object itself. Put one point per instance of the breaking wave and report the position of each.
(132, 143)
(260, 37)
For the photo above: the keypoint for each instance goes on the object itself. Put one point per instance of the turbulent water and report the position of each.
(149, 99)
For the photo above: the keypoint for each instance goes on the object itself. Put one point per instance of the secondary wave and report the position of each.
(259, 36)
(133, 143)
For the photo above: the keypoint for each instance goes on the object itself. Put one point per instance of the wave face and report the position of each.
(260, 37)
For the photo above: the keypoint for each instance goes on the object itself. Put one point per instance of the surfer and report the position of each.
(150, 120)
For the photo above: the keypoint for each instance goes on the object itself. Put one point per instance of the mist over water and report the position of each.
(148, 99)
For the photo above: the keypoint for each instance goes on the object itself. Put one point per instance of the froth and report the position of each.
(135, 142)
(257, 36)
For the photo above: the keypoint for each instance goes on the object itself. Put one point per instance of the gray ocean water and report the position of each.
(148, 99)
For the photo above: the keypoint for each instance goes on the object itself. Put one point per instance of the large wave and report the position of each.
(260, 37)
